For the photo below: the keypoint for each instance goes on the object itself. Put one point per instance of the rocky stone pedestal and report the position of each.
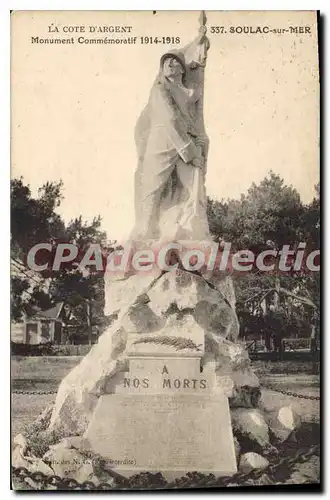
(165, 389)
(175, 312)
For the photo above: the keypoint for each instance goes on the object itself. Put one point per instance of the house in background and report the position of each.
(42, 327)
(61, 324)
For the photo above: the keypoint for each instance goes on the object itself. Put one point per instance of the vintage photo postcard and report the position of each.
(165, 250)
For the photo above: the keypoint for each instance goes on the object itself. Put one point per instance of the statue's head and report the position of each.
(173, 63)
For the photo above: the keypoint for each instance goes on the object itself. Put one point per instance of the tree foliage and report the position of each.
(270, 216)
(35, 220)
(269, 212)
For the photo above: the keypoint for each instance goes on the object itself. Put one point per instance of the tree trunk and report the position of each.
(277, 293)
(89, 320)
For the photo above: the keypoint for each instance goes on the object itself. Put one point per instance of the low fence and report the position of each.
(288, 344)
(285, 356)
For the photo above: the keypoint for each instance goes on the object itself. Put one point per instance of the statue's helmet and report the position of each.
(176, 54)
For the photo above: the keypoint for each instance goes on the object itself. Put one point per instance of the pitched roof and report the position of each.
(52, 313)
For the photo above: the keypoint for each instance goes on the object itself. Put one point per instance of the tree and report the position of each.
(269, 212)
(270, 216)
(35, 220)
(82, 290)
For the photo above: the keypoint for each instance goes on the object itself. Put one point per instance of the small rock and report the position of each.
(263, 480)
(270, 452)
(283, 422)
(250, 461)
(21, 442)
(244, 396)
(31, 463)
(251, 425)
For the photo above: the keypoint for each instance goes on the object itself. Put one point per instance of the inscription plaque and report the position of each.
(175, 433)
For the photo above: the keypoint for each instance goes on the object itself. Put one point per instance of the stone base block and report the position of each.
(168, 433)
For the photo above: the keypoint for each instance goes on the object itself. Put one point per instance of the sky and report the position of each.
(74, 106)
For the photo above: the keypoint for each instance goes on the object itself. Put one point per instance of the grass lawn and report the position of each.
(40, 374)
(36, 372)
(45, 374)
